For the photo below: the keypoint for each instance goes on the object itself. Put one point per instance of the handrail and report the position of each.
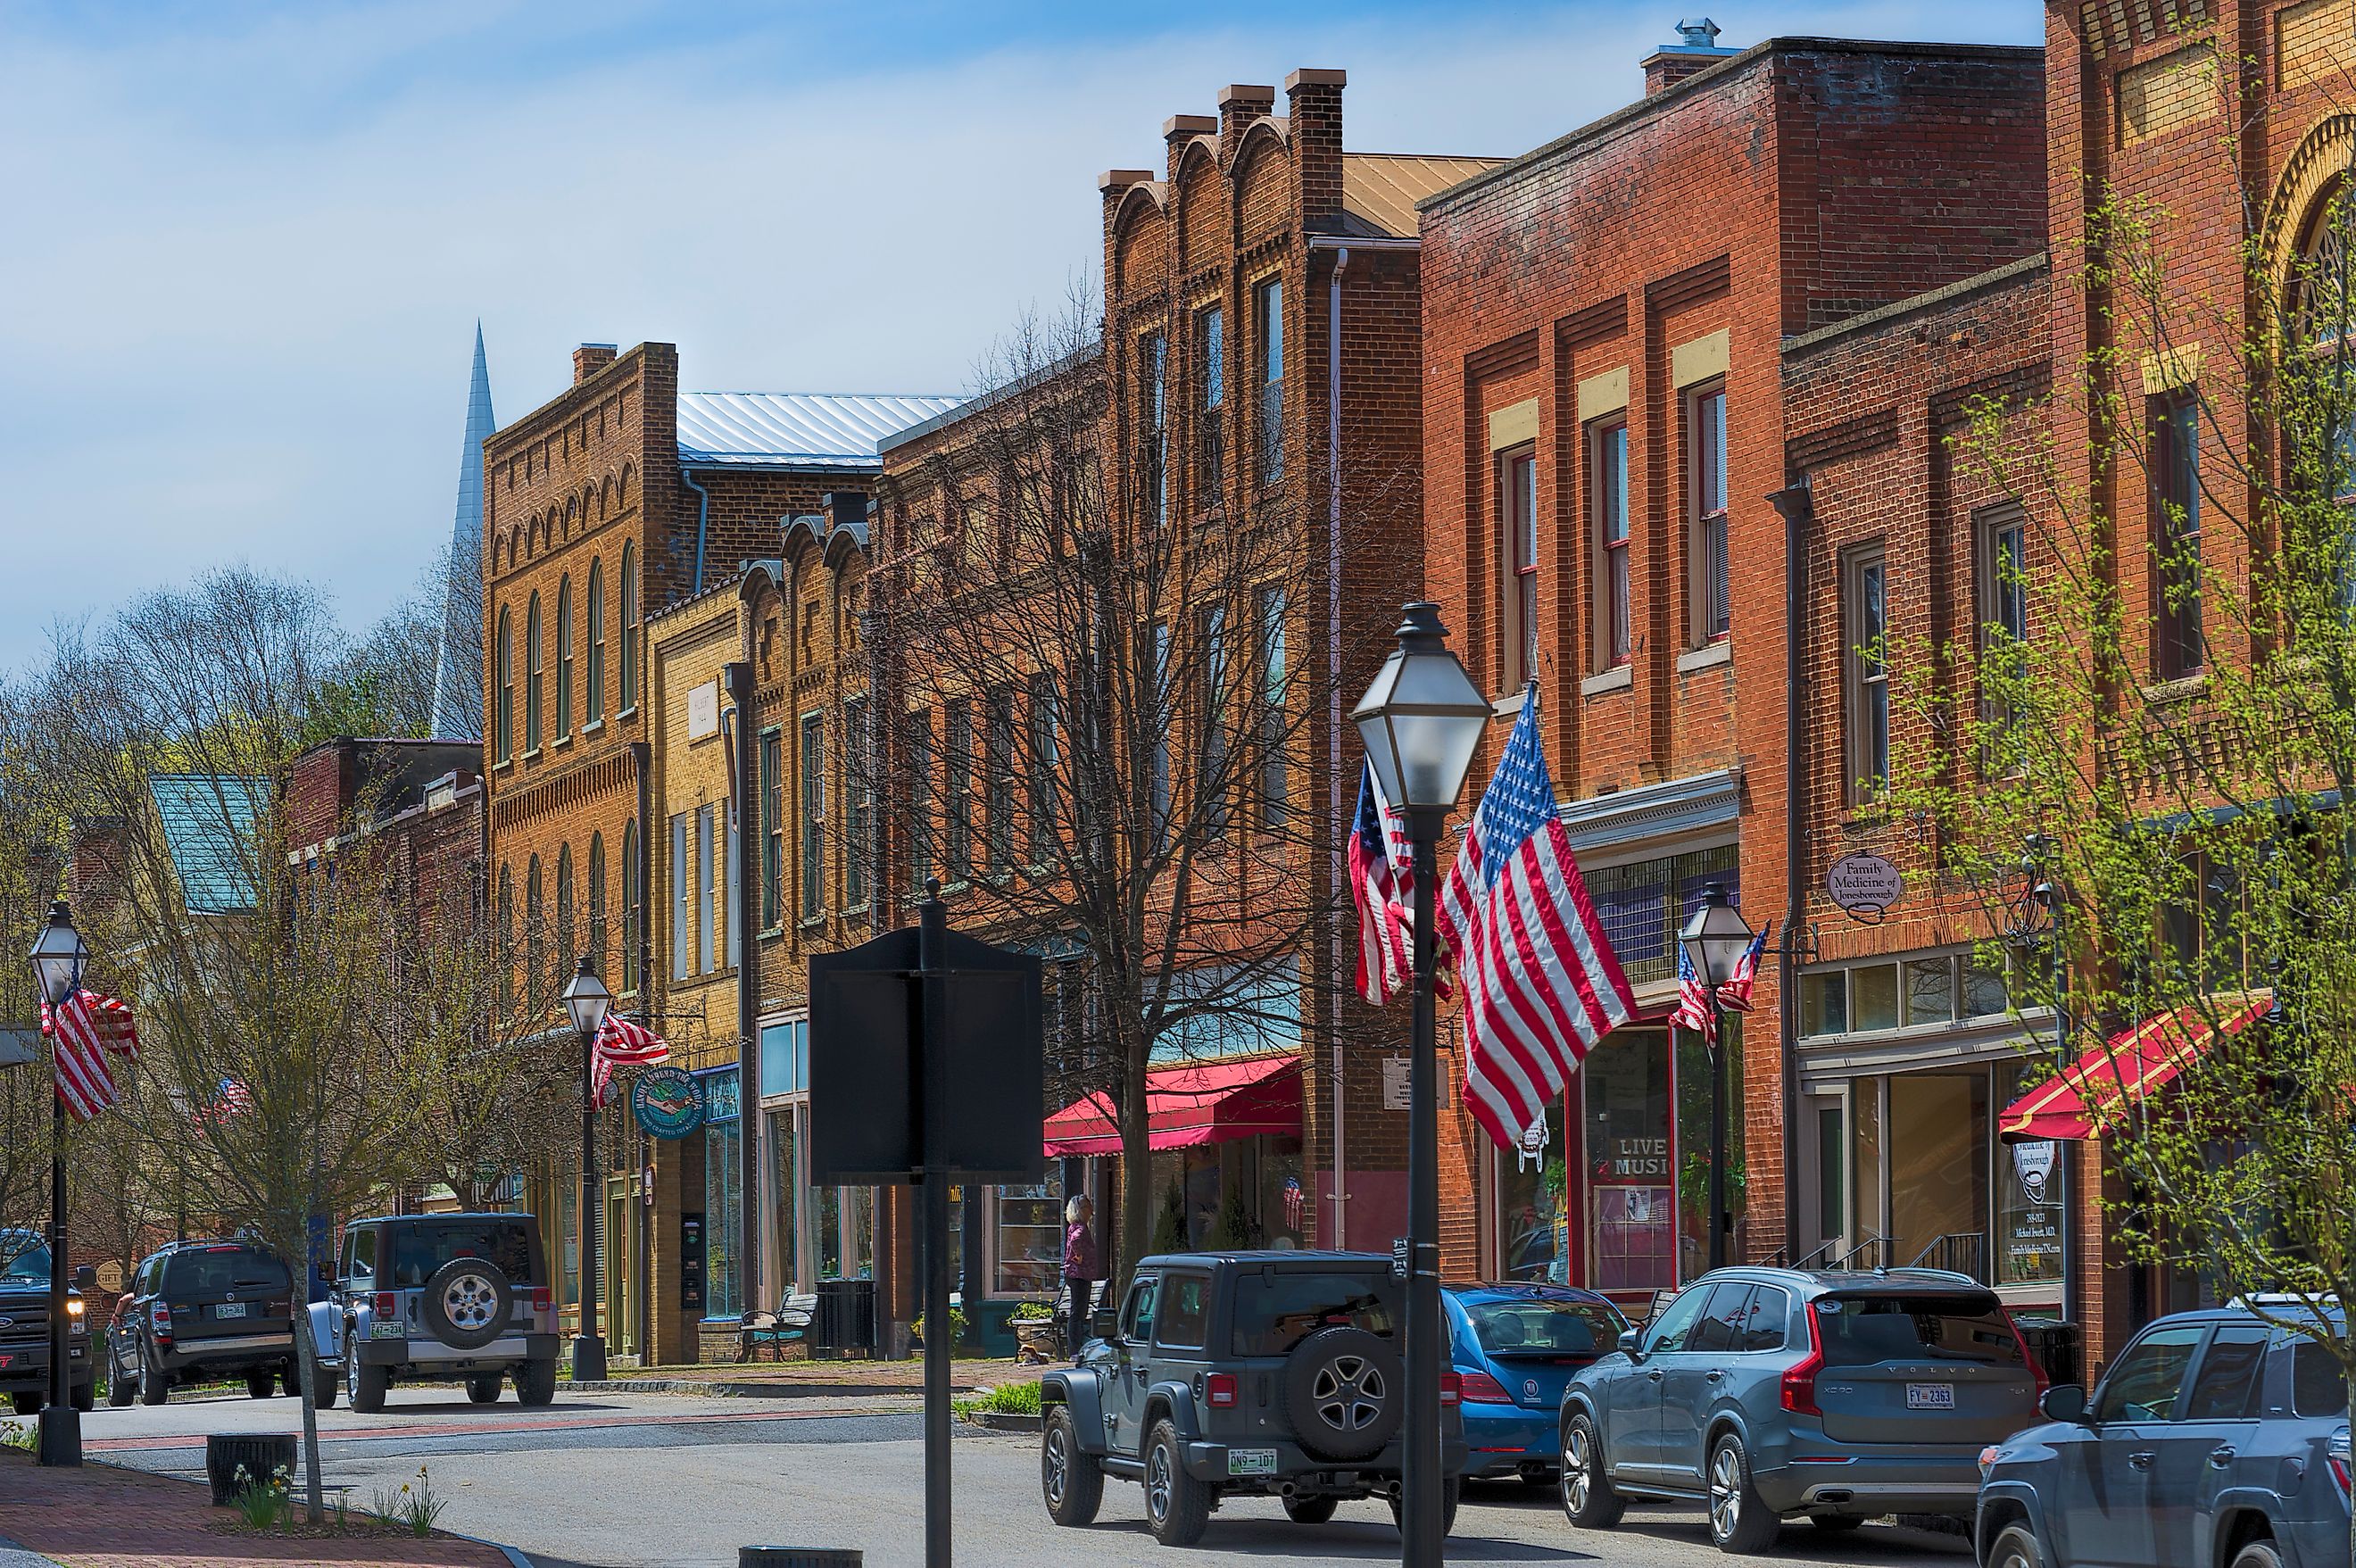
(1875, 1240)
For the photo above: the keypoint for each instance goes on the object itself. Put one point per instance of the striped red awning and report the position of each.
(1204, 1102)
(2125, 1068)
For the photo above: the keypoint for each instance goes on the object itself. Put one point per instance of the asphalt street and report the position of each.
(618, 1480)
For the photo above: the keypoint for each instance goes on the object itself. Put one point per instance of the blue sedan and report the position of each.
(1514, 1346)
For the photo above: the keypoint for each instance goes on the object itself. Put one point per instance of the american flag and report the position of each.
(621, 1042)
(1542, 983)
(1382, 880)
(230, 1099)
(1734, 993)
(1693, 999)
(88, 1028)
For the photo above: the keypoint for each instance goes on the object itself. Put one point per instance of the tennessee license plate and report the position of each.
(1251, 1461)
(1930, 1396)
(229, 1309)
(386, 1330)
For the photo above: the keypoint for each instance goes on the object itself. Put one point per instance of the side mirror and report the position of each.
(1632, 1342)
(1104, 1323)
(2063, 1401)
(85, 1278)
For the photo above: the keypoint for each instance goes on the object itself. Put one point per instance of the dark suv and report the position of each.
(203, 1312)
(438, 1296)
(25, 1326)
(1239, 1374)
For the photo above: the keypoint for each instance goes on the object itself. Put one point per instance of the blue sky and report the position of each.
(249, 244)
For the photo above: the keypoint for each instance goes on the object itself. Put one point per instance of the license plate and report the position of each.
(229, 1309)
(382, 1330)
(1251, 1461)
(1930, 1396)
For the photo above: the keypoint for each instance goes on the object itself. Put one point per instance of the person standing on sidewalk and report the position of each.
(1082, 1267)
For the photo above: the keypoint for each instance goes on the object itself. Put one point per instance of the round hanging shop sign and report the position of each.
(667, 1102)
(1865, 885)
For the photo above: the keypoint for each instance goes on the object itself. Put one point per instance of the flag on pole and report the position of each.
(1541, 981)
(1734, 995)
(231, 1099)
(1693, 999)
(1381, 881)
(87, 1029)
(620, 1043)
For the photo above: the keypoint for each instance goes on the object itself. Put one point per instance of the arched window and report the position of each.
(630, 889)
(505, 724)
(597, 898)
(505, 937)
(568, 935)
(535, 940)
(565, 657)
(629, 627)
(531, 677)
(592, 687)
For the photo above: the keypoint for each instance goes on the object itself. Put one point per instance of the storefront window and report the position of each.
(1030, 1240)
(1950, 988)
(1246, 1193)
(1644, 903)
(1531, 1242)
(2028, 1209)
(1283, 1196)
(1632, 1192)
(1695, 1066)
(826, 1208)
(724, 1212)
(1865, 1160)
(567, 1226)
(785, 1189)
(1938, 1169)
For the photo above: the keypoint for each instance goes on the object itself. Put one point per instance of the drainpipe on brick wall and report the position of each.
(642, 766)
(703, 519)
(737, 674)
(1798, 509)
(1333, 697)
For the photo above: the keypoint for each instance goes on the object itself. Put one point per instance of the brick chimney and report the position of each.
(1696, 50)
(1315, 97)
(1239, 106)
(589, 359)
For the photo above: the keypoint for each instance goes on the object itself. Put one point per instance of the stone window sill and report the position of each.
(592, 727)
(1719, 653)
(1508, 705)
(2183, 689)
(531, 754)
(629, 712)
(1619, 677)
(561, 743)
(505, 765)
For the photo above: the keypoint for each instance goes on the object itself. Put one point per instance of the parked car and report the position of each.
(462, 1296)
(1514, 1347)
(1238, 1374)
(1773, 1392)
(203, 1312)
(25, 1326)
(2216, 1440)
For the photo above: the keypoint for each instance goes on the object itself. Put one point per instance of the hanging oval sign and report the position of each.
(1865, 885)
(667, 1102)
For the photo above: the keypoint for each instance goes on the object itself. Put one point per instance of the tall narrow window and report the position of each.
(1211, 432)
(957, 787)
(531, 677)
(813, 771)
(1211, 778)
(682, 902)
(773, 828)
(1275, 774)
(1868, 673)
(921, 828)
(723, 904)
(1706, 447)
(1157, 697)
(506, 939)
(1153, 425)
(1608, 459)
(506, 719)
(1046, 757)
(629, 627)
(1518, 508)
(859, 801)
(998, 778)
(2004, 619)
(632, 892)
(568, 934)
(593, 685)
(1267, 415)
(597, 903)
(535, 940)
(565, 658)
(707, 906)
(2176, 532)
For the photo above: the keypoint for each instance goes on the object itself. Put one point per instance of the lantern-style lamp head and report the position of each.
(586, 998)
(1716, 936)
(1422, 719)
(58, 956)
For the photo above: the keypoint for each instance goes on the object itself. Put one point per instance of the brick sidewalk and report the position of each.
(833, 1377)
(100, 1517)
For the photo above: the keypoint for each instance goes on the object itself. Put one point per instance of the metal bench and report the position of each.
(789, 1325)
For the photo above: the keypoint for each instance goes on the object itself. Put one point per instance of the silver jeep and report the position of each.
(438, 1297)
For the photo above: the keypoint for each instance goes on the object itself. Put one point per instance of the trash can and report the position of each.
(845, 1316)
(2056, 1348)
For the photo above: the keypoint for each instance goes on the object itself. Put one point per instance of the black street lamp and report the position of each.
(1714, 941)
(1422, 719)
(58, 958)
(586, 999)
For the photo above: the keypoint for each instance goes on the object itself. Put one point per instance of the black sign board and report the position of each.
(691, 1263)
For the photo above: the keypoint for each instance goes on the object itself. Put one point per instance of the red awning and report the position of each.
(2128, 1067)
(1204, 1102)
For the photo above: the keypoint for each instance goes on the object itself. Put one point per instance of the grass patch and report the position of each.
(1006, 1398)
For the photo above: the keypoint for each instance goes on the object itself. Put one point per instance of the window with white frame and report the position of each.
(1865, 665)
(682, 905)
(813, 770)
(707, 904)
(1706, 455)
(1606, 457)
(1517, 515)
(1881, 993)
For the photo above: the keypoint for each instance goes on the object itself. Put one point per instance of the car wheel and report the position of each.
(483, 1389)
(2258, 1554)
(1451, 1493)
(366, 1385)
(1177, 1506)
(1069, 1478)
(26, 1404)
(325, 1386)
(535, 1381)
(1835, 1523)
(154, 1388)
(85, 1398)
(261, 1385)
(1739, 1521)
(1310, 1511)
(2016, 1547)
(120, 1386)
(1589, 1499)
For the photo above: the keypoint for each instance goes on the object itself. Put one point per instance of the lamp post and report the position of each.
(59, 957)
(1422, 720)
(1714, 939)
(586, 999)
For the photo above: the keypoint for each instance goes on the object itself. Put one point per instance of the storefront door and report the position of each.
(1630, 1159)
(617, 1261)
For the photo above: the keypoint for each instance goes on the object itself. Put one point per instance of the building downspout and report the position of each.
(642, 766)
(1334, 704)
(1798, 509)
(702, 521)
(744, 925)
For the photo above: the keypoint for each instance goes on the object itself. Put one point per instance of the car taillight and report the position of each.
(2035, 1368)
(387, 1305)
(2336, 1457)
(1452, 1388)
(159, 1320)
(1799, 1394)
(1483, 1389)
(1219, 1390)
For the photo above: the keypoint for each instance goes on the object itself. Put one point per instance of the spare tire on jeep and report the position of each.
(1343, 1389)
(468, 1303)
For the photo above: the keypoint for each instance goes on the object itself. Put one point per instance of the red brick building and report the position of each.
(1611, 396)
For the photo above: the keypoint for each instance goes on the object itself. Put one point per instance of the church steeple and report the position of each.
(459, 670)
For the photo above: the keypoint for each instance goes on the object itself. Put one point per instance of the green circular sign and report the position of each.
(667, 1102)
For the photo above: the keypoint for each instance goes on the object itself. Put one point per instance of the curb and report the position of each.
(1005, 1420)
(702, 1389)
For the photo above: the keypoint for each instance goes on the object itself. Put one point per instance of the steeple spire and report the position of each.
(459, 670)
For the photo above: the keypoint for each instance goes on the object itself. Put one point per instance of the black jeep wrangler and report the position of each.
(1239, 1374)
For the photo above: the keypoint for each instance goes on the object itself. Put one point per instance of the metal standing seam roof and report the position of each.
(207, 822)
(817, 430)
(1379, 190)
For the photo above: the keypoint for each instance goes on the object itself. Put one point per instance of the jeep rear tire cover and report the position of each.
(468, 1303)
(1344, 1393)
